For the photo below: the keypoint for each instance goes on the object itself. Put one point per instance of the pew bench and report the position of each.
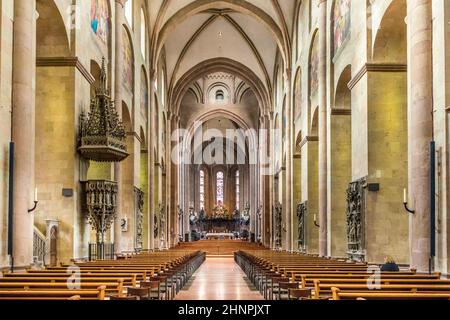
(110, 288)
(355, 295)
(88, 294)
(320, 288)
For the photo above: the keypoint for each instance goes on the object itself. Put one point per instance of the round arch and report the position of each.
(220, 65)
(252, 136)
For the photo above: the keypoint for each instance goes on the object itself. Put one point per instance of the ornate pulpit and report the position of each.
(102, 134)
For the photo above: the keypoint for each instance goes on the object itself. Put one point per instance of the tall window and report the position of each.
(143, 34)
(238, 190)
(202, 189)
(129, 12)
(219, 183)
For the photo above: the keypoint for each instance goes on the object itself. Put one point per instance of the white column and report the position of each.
(23, 129)
(420, 127)
(118, 97)
(323, 231)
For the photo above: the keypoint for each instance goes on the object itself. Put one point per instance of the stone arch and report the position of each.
(219, 85)
(298, 94)
(340, 162)
(126, 118)
(143, 14)
(342, 99)
(144, 94)
(387, 137)
(51, 35)
(390, 43)
(143, 137)
(313, 75)
(95, 70)
(314, 127)
(155, 119)
(129, 58)
(55, 125)
(252, 138)
(219, 65)
(192, 93)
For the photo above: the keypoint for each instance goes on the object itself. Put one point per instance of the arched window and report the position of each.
(220, 96)
(219, 187)
(129, 12)
(202, 189)
(238, 190)
(143, 34)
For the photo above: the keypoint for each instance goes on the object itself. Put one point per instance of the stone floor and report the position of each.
(219, 279)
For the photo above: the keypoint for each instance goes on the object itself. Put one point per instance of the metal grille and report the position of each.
(101, 251)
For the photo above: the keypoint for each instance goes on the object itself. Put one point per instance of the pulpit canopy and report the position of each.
(102, 134)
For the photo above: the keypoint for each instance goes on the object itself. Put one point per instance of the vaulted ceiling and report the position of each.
(251, 33)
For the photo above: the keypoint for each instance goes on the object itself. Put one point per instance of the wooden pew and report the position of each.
(320, 288)
(25, 278)
(170, 269)
(98, 294)
(110, 288)
(268, 270)
(338, 295)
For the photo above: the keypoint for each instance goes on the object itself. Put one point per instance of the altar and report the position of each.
(219, 225)
(220, 236)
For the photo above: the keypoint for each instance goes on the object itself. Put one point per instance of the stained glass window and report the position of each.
(219, 196)
(202, 189)
(238, 191)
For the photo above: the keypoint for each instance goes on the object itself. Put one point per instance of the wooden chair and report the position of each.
(275, 289)
(141, 293)
(154, 288)
(283, 289)
(299, 294)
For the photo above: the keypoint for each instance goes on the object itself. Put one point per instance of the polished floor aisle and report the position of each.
(219, 279)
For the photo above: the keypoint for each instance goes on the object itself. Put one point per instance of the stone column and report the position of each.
(169, 200)
(323, 128)
(151, 160)
(23, 135)
(271, 148)
(420, 128)
(173, 181)
(289, 207)
(118, 98)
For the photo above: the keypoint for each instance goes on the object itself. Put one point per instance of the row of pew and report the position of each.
(292, 276)
(151, 275)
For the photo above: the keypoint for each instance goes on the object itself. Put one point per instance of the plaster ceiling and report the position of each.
(248, 32)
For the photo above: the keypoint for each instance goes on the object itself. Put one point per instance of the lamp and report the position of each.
(405, 202)
(315, 221)
(35, 202)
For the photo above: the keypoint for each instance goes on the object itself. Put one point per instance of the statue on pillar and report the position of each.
(162, 218)
(277, 217)
(301, 214)
(192, 216)
(355, 219)
(246, 214)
